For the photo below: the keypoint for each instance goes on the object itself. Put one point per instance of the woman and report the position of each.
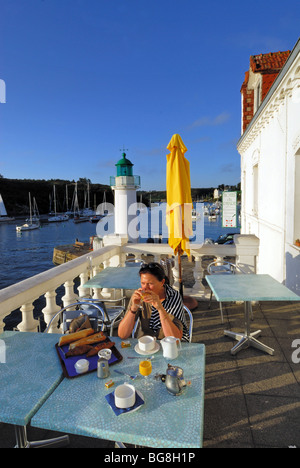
(161, 312)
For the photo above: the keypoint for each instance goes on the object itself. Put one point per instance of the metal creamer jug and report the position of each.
(175, 382)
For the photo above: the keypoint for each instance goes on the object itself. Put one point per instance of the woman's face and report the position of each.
(151, 283)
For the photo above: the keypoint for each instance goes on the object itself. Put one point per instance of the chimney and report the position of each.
(262, 73)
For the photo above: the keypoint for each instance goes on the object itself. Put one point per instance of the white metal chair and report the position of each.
(114, 313)
(190, 321)
(97, 316)
(222, 267)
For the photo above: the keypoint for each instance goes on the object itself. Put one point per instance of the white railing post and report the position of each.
(28, 324)
(105, 292)
(50, 310)
(175, 271)
(2, 325)
(198, 288)
(83, 292)
(70, 296)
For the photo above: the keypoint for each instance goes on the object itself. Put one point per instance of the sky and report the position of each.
(85, 80)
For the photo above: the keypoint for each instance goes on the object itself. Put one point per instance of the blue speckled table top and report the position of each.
(116, 277)
(29, 371)
(227, 288)
(78, 406)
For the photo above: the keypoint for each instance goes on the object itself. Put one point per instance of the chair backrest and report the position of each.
(168, 264)
(97, 312)
(135, 328)
(190, 320)
(220, 267)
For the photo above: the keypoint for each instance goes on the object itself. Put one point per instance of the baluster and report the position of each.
(106, 292)
(70, 296)
(157, 258)
(175, 270)
(50, 310)
(2, 325)
(84, 292)
(28, 323)
(198, 288)
(96, 292)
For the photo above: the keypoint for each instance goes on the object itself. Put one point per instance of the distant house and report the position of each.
(270, 162)
(217, 193)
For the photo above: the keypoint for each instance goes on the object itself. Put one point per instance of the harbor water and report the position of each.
(28, 253)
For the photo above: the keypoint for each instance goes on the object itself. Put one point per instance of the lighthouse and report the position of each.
(124, 185)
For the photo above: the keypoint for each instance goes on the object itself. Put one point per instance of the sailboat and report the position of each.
(3, 212)
(57, 217)
(32, 222)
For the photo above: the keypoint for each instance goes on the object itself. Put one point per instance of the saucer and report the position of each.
(147, 353)
(137, 405)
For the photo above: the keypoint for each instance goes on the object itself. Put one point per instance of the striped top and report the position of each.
(173, 305)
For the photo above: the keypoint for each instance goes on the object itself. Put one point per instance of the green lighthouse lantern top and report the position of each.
(124, 166)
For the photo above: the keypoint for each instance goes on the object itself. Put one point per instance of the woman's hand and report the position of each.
(151, 298)
(137, 297)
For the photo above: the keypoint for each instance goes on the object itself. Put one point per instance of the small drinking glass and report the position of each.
(145, 369)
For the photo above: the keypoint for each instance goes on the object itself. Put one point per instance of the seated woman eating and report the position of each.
(158, 305)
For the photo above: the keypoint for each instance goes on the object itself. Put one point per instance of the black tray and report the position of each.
(68, 363)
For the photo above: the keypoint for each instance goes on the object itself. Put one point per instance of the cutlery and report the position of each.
(132, 377)
(140, 357)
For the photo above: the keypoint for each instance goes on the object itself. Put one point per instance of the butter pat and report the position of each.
(125, 344)
(109, 384)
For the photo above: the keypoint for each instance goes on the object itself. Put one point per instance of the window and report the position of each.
(297, 197)
(255, 189)
(257, 99)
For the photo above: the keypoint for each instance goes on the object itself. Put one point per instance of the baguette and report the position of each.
(66, 339)
(98, 347)
(89, 340)
(78, 351)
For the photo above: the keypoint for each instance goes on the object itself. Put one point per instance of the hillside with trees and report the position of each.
(15, 194)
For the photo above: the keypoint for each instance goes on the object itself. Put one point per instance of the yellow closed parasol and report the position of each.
(179, 200)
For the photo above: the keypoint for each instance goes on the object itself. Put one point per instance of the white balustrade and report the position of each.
(23, 294)
(28, 322)
(50, 310)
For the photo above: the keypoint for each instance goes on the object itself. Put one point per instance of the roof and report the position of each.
(124, 161)
(268, 63)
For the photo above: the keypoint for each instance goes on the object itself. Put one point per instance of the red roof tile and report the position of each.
(268, 63)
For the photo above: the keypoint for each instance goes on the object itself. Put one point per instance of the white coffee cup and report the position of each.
(147, 343)
(124, 396)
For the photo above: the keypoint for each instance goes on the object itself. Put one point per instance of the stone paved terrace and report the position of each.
(252, 399)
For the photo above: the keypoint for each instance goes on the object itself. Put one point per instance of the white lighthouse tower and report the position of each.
(124, 185)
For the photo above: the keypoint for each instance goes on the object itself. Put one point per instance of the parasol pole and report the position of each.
(180, 272)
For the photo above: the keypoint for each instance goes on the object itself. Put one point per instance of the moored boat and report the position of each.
(32, 222)
(3, 212)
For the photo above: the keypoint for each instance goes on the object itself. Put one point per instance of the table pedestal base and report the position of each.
(247, 339)
(22, 442)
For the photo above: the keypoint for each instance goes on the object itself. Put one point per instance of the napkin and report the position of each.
(111, 401)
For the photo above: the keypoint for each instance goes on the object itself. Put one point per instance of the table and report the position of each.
(116, 277)
(247, 288)
(29, 373)
(78, 405)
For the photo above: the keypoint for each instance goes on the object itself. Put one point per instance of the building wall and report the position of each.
(270, 167)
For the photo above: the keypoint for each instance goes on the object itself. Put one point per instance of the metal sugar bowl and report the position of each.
(102, 364)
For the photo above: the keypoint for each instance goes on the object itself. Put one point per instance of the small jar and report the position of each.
(102, 368)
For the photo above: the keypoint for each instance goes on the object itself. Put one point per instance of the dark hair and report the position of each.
(154, 269)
